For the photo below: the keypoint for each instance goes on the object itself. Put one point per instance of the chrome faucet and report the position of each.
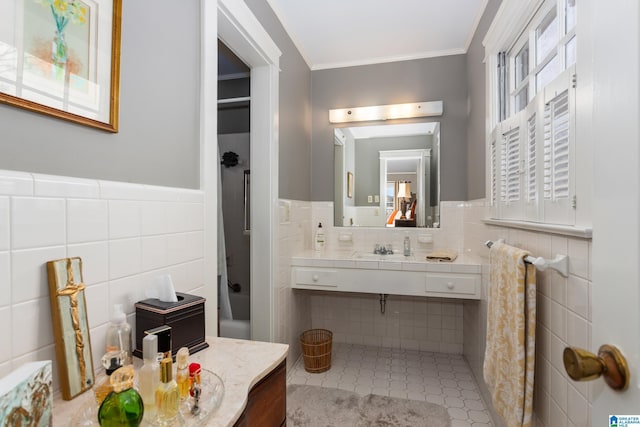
(383, 250)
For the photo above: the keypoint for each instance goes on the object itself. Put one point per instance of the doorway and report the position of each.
(234, 230)
(234, 24)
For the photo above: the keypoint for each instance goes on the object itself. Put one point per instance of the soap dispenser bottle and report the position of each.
(149, 376)
(319, 238)
(407, 245)
(167, 394)
(119, 334)
(123, 406)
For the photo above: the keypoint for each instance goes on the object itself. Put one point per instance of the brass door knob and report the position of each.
(582, 365)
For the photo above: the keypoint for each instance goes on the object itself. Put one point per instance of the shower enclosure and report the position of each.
(234, 232)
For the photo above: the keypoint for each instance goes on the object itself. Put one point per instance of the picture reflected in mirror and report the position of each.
(398, 183)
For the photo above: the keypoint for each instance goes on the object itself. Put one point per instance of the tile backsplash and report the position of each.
(126, 234)
(449, 235)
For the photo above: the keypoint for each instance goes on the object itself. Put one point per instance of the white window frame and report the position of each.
(514, 28)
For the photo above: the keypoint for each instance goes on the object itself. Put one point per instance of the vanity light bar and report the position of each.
(386, 112)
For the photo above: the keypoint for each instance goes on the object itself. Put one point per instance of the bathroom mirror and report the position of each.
(394, 175)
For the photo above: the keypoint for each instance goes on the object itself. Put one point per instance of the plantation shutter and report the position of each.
(556, 148)
(494, 172)
(511, 166)
(531, 184)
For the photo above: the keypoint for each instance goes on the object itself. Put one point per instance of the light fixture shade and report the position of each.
(404, 190)
(386, 112)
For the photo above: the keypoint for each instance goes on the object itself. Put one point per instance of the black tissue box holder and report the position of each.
(186, 318)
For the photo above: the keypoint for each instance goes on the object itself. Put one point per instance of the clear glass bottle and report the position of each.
(110, 361)
(119, 334)
(182, 372)
(149, 375)
(123, 406)
(167, 394)
(407, 245)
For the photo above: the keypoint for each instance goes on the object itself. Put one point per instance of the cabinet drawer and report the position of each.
(320, 277)
(453, 284)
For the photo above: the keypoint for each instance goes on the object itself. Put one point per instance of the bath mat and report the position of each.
(311, 406)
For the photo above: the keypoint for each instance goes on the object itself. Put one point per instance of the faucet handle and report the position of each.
(389, 249)
(376, 250)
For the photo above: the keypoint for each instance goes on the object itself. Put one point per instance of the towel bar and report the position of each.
(560, 263)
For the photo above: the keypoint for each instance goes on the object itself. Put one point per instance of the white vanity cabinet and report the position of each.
(454, 280)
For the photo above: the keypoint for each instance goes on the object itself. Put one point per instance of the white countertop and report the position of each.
(239, 363)
(418, 262)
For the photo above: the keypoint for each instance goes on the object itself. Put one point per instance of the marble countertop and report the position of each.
(417, 262)
(239, 363)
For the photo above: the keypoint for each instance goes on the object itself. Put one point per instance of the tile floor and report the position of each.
(444, 379)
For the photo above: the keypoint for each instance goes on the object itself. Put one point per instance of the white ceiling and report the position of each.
(341, 33)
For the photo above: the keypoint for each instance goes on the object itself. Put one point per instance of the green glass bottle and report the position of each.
(123, 407)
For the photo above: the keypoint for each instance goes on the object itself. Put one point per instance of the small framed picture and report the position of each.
(62, 58)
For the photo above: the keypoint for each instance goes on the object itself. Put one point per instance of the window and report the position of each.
(531, 150)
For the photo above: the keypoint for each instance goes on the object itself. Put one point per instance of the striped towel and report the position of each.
(447, 255)
(511, 319)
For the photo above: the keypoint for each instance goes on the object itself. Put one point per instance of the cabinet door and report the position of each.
(267, 402)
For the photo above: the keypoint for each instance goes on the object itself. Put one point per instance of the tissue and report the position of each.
(162, 288)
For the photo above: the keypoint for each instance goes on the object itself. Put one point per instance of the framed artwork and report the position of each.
(70, 326)
(26, 396)
(349, 185)
(62, 58)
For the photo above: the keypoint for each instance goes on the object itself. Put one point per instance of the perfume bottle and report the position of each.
(182, 372)
(123, 406)
(110, 361)
(149, 376)
(167, 394)
(194, 377)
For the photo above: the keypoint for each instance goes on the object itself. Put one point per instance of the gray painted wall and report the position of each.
(442, 78)
(158, 142)
(476, 83)
(295, 109)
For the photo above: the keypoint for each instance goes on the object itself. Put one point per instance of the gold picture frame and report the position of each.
(350, 185)
(62, 58)
(70, 326)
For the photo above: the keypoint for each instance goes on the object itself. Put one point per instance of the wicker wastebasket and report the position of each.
(316, 350)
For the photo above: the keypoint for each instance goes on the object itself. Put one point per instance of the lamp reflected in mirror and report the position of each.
(404, 195)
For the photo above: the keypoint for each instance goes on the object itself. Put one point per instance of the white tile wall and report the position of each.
(4, 223)
(292, 308)
(87, 220)
(564, 304)
(5, 277)
(408, 323)
(426, 324)
(449, 235)
(29, 272)
(124, 234)
(564, 317)
(37, 222)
